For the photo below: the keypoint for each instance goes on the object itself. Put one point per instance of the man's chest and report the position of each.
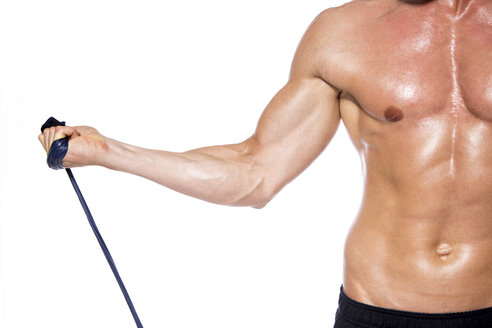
(421, 66)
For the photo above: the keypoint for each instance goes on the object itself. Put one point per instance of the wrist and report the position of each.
(109, 154)
(120, 156)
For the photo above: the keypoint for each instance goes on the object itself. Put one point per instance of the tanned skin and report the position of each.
(412, 83)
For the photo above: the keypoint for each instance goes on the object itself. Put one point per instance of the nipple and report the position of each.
(393, 114)
(444, 250)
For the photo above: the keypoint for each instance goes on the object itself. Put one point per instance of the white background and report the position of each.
(172, 75)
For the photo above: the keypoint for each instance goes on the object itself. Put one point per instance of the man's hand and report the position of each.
(84, 147)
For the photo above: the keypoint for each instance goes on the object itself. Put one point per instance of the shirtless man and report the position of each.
(412, 83)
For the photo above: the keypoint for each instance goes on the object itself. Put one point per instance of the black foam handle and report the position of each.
(51, 122)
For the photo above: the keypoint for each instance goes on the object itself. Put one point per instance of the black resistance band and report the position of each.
(56, 154)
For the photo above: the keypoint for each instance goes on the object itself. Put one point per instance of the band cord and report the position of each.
(56, 153)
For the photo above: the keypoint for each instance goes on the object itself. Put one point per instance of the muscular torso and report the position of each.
(416, 99)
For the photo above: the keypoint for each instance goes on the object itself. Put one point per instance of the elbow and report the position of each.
(260, 204)
(257, 198)
(265, 195)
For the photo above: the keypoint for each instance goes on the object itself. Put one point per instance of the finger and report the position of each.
(46, 137)
(52, 131)
(51, 136)
(41, 139)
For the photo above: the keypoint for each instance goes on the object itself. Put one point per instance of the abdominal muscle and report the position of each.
(433, 258)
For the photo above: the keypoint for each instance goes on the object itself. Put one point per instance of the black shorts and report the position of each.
(353, 314)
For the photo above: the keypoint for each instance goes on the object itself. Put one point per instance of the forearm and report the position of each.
(228, 174)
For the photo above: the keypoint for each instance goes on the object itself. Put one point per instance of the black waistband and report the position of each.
(370, 316)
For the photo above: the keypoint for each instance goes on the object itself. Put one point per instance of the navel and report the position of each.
(393, 114)
(444, 250)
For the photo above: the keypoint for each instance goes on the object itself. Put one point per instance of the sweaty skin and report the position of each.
(412, 83)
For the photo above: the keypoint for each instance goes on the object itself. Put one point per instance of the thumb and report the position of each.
(60, 132)
(64, 132)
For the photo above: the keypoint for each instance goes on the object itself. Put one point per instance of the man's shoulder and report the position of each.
(330, 44)
(352, 14)
(347, 26)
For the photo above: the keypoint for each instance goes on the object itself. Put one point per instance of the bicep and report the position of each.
(304, 115)
(295, 127)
